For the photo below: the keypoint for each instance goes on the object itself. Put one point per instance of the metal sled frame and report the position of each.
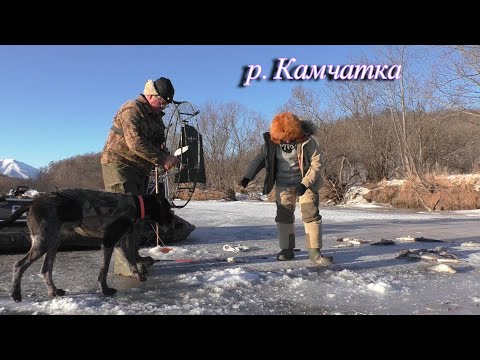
(178, 184)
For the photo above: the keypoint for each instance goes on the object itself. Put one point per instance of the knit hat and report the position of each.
(162, 87)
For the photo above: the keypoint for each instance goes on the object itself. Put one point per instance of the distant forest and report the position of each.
(425, 123)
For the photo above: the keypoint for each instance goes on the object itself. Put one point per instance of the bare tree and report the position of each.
(358, 101)
(317, 106)
(458, 78)
(411, 104)
(7, 183)
(77, 171)
(415, 114)
(231, 136)
(374, 129)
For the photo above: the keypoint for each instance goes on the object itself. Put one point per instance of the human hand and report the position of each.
(170, 162)
(244, 182)
(300, 188)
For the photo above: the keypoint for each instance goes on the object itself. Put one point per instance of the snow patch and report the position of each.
(392, 182)
(379, 287)
(354, 197)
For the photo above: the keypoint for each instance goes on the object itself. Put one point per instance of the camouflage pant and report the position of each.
(121, 178)
(286, 199)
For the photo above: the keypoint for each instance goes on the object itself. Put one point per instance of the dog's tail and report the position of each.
(19, 212)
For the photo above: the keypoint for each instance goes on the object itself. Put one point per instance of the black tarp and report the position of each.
(192, 162)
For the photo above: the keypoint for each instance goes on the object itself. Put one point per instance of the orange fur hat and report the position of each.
(286, 126)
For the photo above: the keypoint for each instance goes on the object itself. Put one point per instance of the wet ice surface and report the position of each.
(195, 277)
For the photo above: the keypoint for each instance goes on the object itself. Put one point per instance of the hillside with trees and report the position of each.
(419, 128)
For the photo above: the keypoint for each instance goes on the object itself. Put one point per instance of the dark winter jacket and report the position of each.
(309, 155)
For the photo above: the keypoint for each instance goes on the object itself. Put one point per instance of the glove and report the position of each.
(244, 182)
(300, 188)
(170, 162)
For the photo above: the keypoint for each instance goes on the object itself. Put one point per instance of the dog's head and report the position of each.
(161, 210)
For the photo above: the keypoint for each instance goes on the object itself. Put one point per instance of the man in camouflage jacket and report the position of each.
(134, 145)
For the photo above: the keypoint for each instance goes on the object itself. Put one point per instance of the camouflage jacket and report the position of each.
(100, 209)
(143, 135)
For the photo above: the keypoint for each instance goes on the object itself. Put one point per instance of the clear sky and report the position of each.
(59, 101)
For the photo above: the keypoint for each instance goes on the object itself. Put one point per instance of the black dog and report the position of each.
(99, 214)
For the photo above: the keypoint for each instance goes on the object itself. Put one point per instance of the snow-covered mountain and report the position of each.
(18, 169)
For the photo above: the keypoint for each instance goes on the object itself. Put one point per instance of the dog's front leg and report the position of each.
(113, 234)
(102, 276)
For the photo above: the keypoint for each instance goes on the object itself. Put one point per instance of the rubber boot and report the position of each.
(143, 262)
(285, 254)
(313, 242)
(313, 235)
(124, 255)
(318, 259)
(126, 251)
(286, 239)
(146, 261)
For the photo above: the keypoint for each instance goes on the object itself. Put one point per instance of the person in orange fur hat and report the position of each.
(293, 162)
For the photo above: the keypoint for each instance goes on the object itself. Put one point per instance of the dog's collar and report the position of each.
(141, 205)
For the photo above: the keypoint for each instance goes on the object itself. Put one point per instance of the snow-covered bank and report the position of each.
(196, 278)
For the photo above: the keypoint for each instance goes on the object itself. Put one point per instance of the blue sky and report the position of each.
(59, 101)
